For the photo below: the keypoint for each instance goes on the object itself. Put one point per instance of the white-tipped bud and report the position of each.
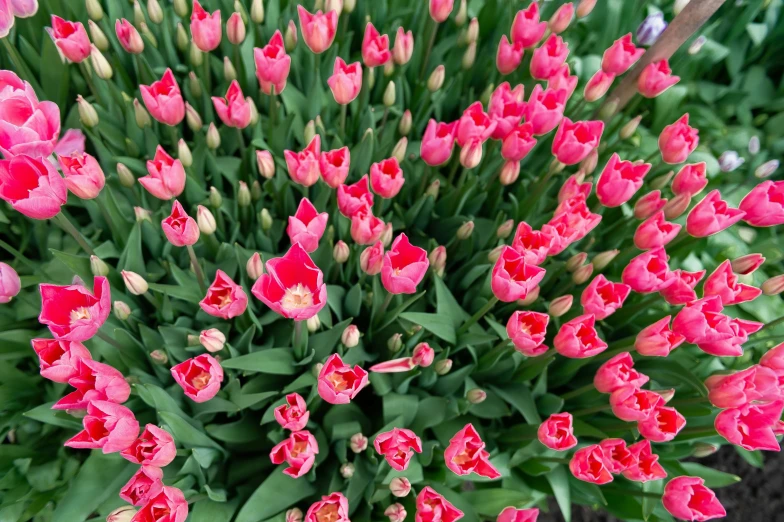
(767, 169)
(582, 274)
(196, 55)
(135, 283)
(754, 145)
(266, 219)
(94, 10)
(389, 69)
(504, 230)
(469, 57)
(229, 72)
(141, 115)
(142, 214)
(347, 469)
(509, 172)
(472, 34)
(476, 395)
(98, 37)
(404, 127)
(184, 153)
(290, 37)
(437, 259)
(399, 152)
(350, 336)
(255, 190)
(98, 267)
(213, 340)
(254, 266)
(213, 137)
(389, 95)
(576, 261)
(122, 514)
(138, 14)
(192, 118)
(395, 343)
(243, 194)
(386, 235)
(206, 220)
(696, 45)
(359, 443)
(436, 79)
(313, 324)
(215, 198)
(181, 39)
(602, 259)
(443, 367)
(630, 128)
(471, 154)
(257, 11)
(310, 131)
(154, 11)
(349, 5)
(433, 188)
(100, 65)
(465, 230)
(400, 487)
(495, 253)
(340, 252)
(181, 7)
(127, 178)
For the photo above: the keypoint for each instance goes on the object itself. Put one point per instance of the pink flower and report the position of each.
(32, 187)
(632, 404)
(70, 38)
(72, 141)
(572, 222)
(689, 499)
(680, 286)
(617, 373)
(307, 225)
(386, 178)
(678, 140)
(649, 204)
(94, 381)
(233, 110)
(72, 312)
(466, 454)
(619, 181)
(332, 508)
(375, 47)
(146, 483)
(598, 85)
(206, 28)
(751, 426)
(338, 382)
(513, 278)
(603, 297)
(545, 108)
(533, 245)
(547, 59)
(154, 447)
(433, 507)
(512, 514)
(441, 9)
(774, 359)
(657, 340)
(621, 55)
(423, 355)
(562, 18)
(164, 100)
(712, 215)
(58, 360)
(366, 228)
(656, 78)
(398, 446)
(474, 125)
(180, 229)
(293, 414)
(527, 331)
(648, 272)
(438, 142)
(27, 126)
(579, 339)
(748, 264)
(764, 205)
(128, 36)
(318, 30)
(272, 65)
(167, 506)
(225, 298)
(404, 266)
(557, 433)
(562, 79)
(404, 46)
(755, 383)
(724, 283)
(518, 143)
(298, 451)
(527, 30)
(574, 141)
(655, 232)
(401, 365)
(731, 346)
(690, 180)
(354, 198)
(107, 426)
(346, 81)
(645, 464)
(509, 56)
(304, 166)
(10, 283)
(506, 108)
(588, 465)
(199, 377)
(617, 456)
(371, 260)
(166, 176)
(83, 175)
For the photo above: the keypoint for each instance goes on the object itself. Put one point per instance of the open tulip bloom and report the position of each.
(362, 260)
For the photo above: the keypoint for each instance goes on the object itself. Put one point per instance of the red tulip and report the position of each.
(233, 110)
(513, 278)
(751, 426)
(338, 382)
(386, 178)
(164, 100)
(319, 29)
(398, 446)
(588, 465)
(200, 377)
(70, 38)
(206, 28)
(579, 339)
(404, 266)
(619, 181)
(764, 205)
(304, 167)
(557, 432)
(680, 286)
(509, 56)
(466, 454)
(225, 298)
(724, 283)
(648, 272)
(72, 312)
(617, 373)
(689, 499)
(527, 30)
(32, 187)
(657, 340)
(527, 330)
(107, 426)
(298, 451)
(603, 297)
(166, 176)
(655, 232)
(645, 466)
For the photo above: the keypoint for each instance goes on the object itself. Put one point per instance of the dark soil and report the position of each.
(759, 497)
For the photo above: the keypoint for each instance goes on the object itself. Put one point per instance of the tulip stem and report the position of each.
(343, 110)
(556, 460)
(108, 340)
(383, 309)
(241, 141)
(428, 50)
(546, 356)
(88, 78)
(66, 225)
(477, 316)
(22, 259)
(197, 269)
(579, 391)
(272, 112)
(300, 345)
(688, 401)
(588, 411)
(772, 323)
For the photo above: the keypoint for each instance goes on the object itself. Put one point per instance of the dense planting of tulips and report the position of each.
(277, 292)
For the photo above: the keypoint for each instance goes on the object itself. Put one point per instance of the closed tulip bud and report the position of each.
(395, 343)
(704, 449)
(154, 11)
(576, 261)
(254, 267)
(487, 94)
(98, 267)
(754, 145)
(471, 154)
(127, 179)
(334, 5)
(257, 11)
(294, 515)
(149, 35)
(98, 37)
(123, 514)
(371, 74)
(196, 55)
(399, 152)
(212, 340)
(773, 286)
(229, 72)
(560, 305)
(265, 163)
(469, 57)
(347, 469)
(476, 395)
(747, 264)
(313, 324)
(358, 443)
(349, 6)
(433, 188)
(404, 127)
(243, 194)
(205, 220)
(213, 137)
(192, 118)
(255, 190)
(310, 131)
(660, 182)
(766, 169)
(588, 165)
(184, 153)
(730, 160)
(340, 252)
(582, 274)
(215, 198)
(585, 7)
(235, 29)
(142, 214)
(436, 79)
(443, 367)
(254, 112)
(505, 229)
(495, 253)
(386, 235)
(350, 336)
(472, 34)
(667, 394)
(678, 6)
(87, 114)
(121, 310)
(676, 206)
(462, 14)
(135, 283)
(510, 171)
(529, 299)
(138, 14)
(437, 259)
(266, 219)
(94, 10)
(602, 259)
(182, 39)
(389, 69)
(400, 487)
(696, 45)
(389, 95)
(141, 115)
(630, 128)
(290, 38)
(465, 230)
(181, 8)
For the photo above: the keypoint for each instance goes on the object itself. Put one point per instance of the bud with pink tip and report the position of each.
(371, 259)
(773, 286)
(404, 46)
(340, 252)
(400, 487)
(212, 340)
(121, 310)
(649, 204)
(505, 229)
(585, 7)
(436, 79)
(423, 355)
(437, 260)
(205, 220)
(603, 259)
(358, 443)
(509, 173)
(560, 305)
(122, 514)
(495, 253)
(561, 19)
(465, 230)
(235, 29)
(350, 336)
(294, 515)
(476, 395)
(443, 367)
(747, 264)
(582, 274)
(265, 163)
(529, 299)
(255, 266)
(576, 261)
(396, 512)
(135, 283)
(598, 85)
(676, 206)
(346, 470)
(404, 127)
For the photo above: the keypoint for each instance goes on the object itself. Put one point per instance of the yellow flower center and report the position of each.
(80, 313)
(297, 297)
(201, 381)
(328, 513)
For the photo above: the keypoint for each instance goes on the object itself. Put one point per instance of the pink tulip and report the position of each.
(466, 454)
(94, 381)
(307, 225)
(512, 514)
(24, 8)
(334, 166)
(423, 355)
(587, 464)
(621, 55)
(404, 46)
(657, 340)
(332, 508)
(474, 125)
(680, 286)
(304, 166)
(441, 9)
(774, 359)
(545, 108)
(199, 377)
(731, 345)
(548, 59)
(438, 142)
(70, 38)
(574, 141)
(533, 245)
(748, 264)
(579, 339)
(702, 321)
(225, 298)
(655, 232)
(354, 198)
(375, 47)
(58, 360)
(755, 383)
(265, 164)
(527, 331)
(619, 181)
(233, 110)
(617, 457)
(166, 176)
(72, 312)
(235, 28)
(724, 283)
(32, 187)
(506, 108)
(371, 260)
(128, 36)
(632, 404)
(557, 432)
(562, 79)
(366, 228)
(617, 373)
(602, 297)
(689, 499)
(346, 81)
(678, 140)
(386, 178)
(401, 365)
(28, 126)
(645, 464)
(572, 222)
(164, 100)
(154, 447)
(764, 205)
(83, 175)
(293, 285)
(319, 29)
(527, 30)
(518, 143)
(180, 229)
(562, 18)
(404, 266)
(598, 85)
(170, 501)
(648, 272)
(513, 278)
(711, 216)
(656, 78)
(71, 142)
(298, 451)
(398, 446)
(649, 204)
(272, 65)
(293, 414)
(690, 180)
(509, 56)
(146, 483)
(107, 426)
(338, 382)
(751, 426)
(206, 28)
(433, 507)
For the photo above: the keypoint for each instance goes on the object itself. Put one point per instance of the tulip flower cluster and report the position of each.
(288, 255)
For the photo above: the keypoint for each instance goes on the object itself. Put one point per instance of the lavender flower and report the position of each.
(651, 29)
